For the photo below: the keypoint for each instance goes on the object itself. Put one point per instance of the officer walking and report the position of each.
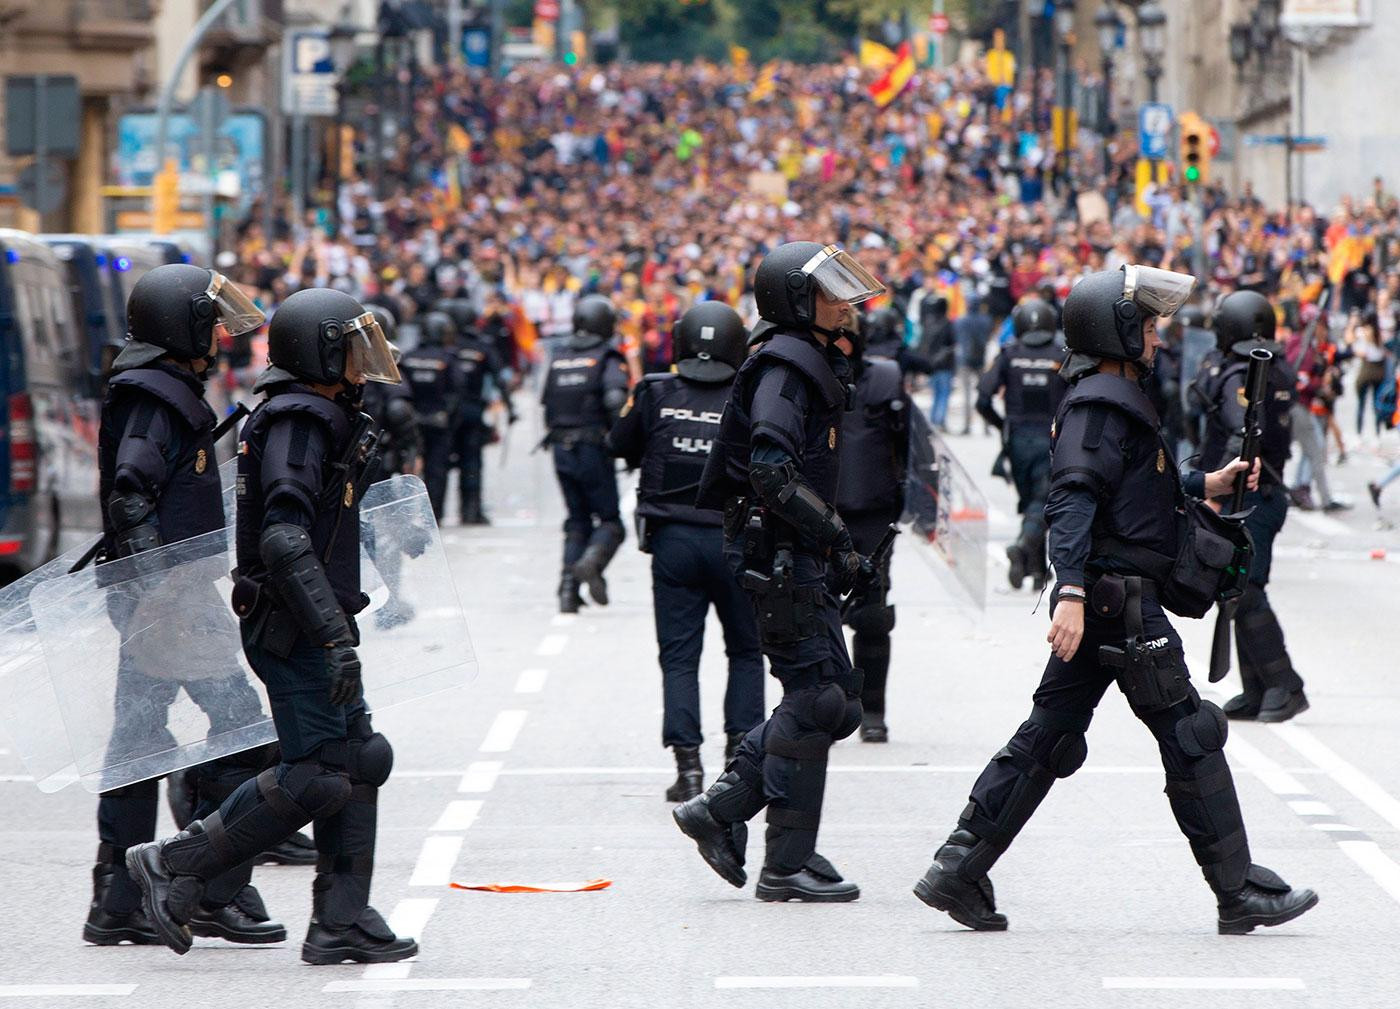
(1027, 373)
(400, 444)
(667, 429)
(874, 451)
(1115, 543)
(303, 463)
(1273, 690)
(160, 484)
(476, 363)
(433, 373)
(584, 390)
(773, 469)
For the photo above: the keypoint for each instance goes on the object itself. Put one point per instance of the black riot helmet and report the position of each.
(460, 310)
(436, 329)
(1032, 316)
(320, 335)
(1245, 317)
(1193, 317)
(594, 314)
(710, 342)
(1105, 312)
(173, 310)
(786, 283)
(883, 326)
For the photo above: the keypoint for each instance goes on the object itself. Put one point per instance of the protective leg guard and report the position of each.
(1261, 641)
(970, 903)
(872, 654)
(125, 817)
(181, 791)
(690, 775)
(1064, 753)
(793, 820)
(717, 821)
(1264, 900)
(1016, 564)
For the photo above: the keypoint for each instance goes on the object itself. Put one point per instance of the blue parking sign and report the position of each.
(1154, 129)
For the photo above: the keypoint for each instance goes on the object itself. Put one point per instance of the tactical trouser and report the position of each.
(1050, 744)
(873, 618)
(471, 439)
(437, 460)
(333, 764)
(1264, 659)
(782, 762)
(1029, 454)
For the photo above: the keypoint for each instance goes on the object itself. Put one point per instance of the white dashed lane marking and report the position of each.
(820, 981)
(460, 814)
(64, 990)
(436, 861)
(552, 644)
(1205, 983)
(430, 984)
(480, 777)
(531, 681)
(504, 729)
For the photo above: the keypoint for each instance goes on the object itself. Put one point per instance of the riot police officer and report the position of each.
(1027, 373)
(160, 484)
(432, 371)
(870, 497)
(400, 444)
(1121, 560)
(585, 387)
(773, 469)
(476, 363)
(1244, 321)
(303, 463)
(667, 429)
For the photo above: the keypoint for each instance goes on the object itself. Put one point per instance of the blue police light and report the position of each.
(101, 259)
(185, 257)
(11, 256)
(121, 264)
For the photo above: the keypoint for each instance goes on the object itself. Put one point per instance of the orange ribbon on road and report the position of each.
(585, 886)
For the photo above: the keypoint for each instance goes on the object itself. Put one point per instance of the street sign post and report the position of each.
(1154, 130)
(309, 73)
(42, 118)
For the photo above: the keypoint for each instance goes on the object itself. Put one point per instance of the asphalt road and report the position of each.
(549, 768)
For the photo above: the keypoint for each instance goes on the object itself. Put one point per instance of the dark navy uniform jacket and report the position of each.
(1029, 371)
(874, 444)
(1222, 386)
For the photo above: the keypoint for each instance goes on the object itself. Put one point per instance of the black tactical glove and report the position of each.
(343, 664)
(848, 567)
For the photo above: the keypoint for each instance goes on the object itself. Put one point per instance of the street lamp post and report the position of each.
(1064, 29)
(1152, 37)
(1108, 24)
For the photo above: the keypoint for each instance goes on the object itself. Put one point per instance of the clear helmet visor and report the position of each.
(370, 355)
(841, 278)
(235, 309)
(1158, 292)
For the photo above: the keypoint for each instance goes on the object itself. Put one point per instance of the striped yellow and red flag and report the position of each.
(874, 56)
(896, 78)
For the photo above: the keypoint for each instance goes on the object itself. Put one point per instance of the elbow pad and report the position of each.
(300, 583)
(134, 523)
(614, 400)
(789, 498)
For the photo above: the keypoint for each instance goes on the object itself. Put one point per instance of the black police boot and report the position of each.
(109, 928)
(817, 882)
(1265, 900)
(341, 897)
(690, 776)
(971, 903)
(721, 840)
(243, 920)
(170, 896)
(569, 599)
(731, 745)
(1242, 707)
(1016, 572)
(589, 570)
(873, 728)
(1281, 704)
(472, 514)
(297, 849)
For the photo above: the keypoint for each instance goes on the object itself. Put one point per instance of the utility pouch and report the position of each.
(786, 612)
(1151, 678)
(643, 534)
(269, 626)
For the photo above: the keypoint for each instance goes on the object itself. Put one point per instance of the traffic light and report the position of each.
(1195, 149)
(166, 199)
(346, 157)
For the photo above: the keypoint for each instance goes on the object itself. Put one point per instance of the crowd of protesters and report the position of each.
(662, 184)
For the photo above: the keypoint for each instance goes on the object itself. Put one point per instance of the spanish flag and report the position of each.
(874, 56)
(896, 78)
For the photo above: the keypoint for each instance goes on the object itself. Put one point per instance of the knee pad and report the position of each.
(829, 709)
(371, 760)
(875, 621)
(1203, 731)
(318, 790)
(1068, 754)
(850, 720)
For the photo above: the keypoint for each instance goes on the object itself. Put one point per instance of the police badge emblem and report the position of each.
(1161, 460)
(201, 462)
(831, 438)
(349, 493)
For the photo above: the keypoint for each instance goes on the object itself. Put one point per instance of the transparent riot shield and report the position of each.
(145, 656)
(946, 510)
(1196, 343)
(31, 717)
